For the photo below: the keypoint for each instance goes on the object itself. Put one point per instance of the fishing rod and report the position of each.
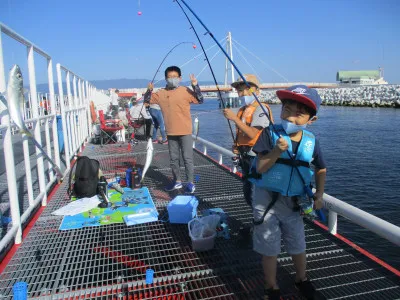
(159, 66)
(306, 188)
(208, 62)
(165, 57)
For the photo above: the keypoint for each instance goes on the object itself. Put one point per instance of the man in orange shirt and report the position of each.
(174, 102)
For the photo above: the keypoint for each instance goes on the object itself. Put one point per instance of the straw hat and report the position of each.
(250, 78)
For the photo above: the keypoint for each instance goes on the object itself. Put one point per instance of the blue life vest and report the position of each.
(283, 177)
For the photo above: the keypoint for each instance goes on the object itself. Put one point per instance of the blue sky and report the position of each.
(306, 40)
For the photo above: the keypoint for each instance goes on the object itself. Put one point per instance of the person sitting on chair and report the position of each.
(138, 111)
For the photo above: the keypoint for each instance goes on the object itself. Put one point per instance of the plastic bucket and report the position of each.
(202, 244)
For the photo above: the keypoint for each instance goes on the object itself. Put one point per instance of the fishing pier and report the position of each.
(110, 261)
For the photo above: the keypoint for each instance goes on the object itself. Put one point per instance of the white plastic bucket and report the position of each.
(204, 243)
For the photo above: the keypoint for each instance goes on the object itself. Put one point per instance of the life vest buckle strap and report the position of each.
(293, 162)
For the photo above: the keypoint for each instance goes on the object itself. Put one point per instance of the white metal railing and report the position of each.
(75, 111)
(335, 206)
(76, 128)
(7, 140)
(220, 150)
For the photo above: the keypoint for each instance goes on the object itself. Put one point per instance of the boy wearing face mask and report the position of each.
(249, 120)
(174, 102)
(276, 194)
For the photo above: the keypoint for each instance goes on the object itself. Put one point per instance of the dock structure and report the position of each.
(110, 262)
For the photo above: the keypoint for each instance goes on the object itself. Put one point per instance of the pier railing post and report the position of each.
(37, 133)
(9, 158)
(64, 116)
(332, 222)
(53, 107)
(89, 116)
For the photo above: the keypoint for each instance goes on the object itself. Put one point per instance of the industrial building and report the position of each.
(369, 77)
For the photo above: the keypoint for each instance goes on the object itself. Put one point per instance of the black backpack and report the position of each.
(86, 177)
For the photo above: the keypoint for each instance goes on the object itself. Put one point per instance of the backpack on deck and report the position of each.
(86, 177)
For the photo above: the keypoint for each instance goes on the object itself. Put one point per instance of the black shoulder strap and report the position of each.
(69, 191)
(275, 196)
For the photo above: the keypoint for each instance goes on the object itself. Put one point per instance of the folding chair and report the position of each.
(109, 129)
(135, 124)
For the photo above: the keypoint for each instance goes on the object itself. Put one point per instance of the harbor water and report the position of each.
(360, 146)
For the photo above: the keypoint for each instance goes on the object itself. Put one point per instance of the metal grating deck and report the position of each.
(109, 262)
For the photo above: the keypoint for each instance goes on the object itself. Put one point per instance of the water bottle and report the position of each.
(128, 177)
(135, 179)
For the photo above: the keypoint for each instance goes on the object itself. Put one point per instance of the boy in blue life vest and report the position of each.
(283, 153)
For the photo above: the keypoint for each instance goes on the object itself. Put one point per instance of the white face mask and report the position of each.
(292, 128)
(173, 82)
(247, 99)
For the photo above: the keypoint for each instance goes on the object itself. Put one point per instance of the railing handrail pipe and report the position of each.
(366, 220)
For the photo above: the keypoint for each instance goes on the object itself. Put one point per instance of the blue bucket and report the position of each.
(182, 209)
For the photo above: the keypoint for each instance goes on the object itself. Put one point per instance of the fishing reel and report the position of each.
(102, 189)
(235, 161)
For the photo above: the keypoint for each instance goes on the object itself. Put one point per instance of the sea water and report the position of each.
(360, 146)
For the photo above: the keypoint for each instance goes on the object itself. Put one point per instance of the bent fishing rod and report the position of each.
(208, 62)
(307, 188)
(159, 66)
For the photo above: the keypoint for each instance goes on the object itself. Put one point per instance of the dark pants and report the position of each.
(246, 163)
(147, 123)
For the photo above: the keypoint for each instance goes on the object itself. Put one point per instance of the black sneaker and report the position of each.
(307, 290)
(272, 294)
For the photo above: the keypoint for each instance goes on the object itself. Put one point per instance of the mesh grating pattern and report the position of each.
(109, 262)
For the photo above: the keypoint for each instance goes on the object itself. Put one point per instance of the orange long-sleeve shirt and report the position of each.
(175, 107)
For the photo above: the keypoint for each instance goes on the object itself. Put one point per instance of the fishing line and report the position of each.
(208, 62)
(307, 189)
(201, 112)
(196, 56)
(263, 62)
(226, 54)
(205, 67)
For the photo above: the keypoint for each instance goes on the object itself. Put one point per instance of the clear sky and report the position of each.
(307, 40)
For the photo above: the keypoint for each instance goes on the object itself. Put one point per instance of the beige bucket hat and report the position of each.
(250, 78)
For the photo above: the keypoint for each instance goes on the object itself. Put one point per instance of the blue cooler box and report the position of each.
(182, 209)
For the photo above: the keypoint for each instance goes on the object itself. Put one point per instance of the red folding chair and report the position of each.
(109, 129)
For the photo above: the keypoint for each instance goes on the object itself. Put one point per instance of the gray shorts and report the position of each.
(281, 222)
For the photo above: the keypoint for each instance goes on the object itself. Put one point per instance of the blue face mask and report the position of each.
(292, 128)
(173, 82)
(247, 99)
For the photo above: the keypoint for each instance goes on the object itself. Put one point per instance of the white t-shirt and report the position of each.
(138, 111)
(114, 98)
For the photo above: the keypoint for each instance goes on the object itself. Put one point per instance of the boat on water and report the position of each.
(110, 261)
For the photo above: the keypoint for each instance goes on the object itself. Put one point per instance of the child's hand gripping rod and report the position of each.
(319, 212)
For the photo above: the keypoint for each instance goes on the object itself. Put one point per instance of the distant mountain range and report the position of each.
(116, 83)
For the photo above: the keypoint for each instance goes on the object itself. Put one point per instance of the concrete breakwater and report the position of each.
(370, 96)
